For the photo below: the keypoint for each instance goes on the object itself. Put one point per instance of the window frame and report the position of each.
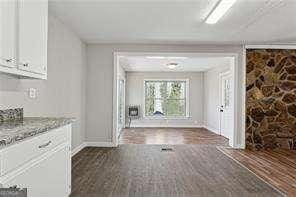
(187, 113)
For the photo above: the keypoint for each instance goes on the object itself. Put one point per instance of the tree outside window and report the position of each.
(165, 98)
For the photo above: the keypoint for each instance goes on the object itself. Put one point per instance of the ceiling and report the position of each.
(178, 21)
(153, 63)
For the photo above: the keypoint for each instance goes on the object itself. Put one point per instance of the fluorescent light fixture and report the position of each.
(222, 7)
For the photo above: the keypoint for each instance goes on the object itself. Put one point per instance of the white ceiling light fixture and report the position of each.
(172, 65)
(222, 7)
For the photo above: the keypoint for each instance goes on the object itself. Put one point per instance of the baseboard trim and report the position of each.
(100, 144)
(78, 148)
(212, 129)
(165, 126)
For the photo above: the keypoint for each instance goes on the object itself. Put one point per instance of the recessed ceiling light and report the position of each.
(222, 7)
(172, 65)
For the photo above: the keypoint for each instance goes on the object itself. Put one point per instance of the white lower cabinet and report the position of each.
(47, 175)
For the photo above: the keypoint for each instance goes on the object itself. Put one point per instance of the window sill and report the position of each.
(166, 118)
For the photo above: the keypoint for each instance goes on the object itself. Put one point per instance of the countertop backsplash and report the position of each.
(11, 114)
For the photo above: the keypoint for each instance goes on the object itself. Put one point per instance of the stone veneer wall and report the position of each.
(271, 99)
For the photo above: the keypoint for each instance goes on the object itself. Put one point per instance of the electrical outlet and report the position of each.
(32, 93)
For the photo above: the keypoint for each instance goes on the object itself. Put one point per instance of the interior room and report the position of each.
(179, 98)
(163, 98)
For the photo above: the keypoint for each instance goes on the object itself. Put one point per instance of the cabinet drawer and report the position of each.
(18, 154)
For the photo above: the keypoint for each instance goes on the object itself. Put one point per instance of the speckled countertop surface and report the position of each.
(17, 130)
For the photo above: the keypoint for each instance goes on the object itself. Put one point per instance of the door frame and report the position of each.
(124, 86)
(239, 130)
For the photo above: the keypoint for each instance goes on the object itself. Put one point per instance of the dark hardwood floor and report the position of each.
(146, 170)
(199, 136)
(277, 167)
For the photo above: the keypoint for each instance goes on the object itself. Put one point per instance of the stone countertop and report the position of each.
(17, 130)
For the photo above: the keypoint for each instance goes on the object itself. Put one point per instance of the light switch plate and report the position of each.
(32, 93)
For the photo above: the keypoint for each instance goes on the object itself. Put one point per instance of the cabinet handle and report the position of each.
(45, 145)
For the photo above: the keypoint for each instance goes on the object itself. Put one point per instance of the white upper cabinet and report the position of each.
(8, 33)
(23, 37)
(32, 35)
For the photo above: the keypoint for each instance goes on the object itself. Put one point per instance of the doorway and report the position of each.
(224, 122)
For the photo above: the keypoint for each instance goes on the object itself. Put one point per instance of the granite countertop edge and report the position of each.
(15, 131)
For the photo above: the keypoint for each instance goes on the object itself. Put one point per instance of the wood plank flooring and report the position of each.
(277, 167)
(171, 136)
(146, 170)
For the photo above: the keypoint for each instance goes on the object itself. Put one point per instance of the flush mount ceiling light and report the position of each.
(222, 7)
(172, 65)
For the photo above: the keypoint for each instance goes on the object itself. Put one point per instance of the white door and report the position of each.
(121, 105)
(7, 33)
(226, 105)
(47, 178)
(33, 26)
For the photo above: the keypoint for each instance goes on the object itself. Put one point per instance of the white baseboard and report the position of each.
(78, 148)
(100, 144)
(239, 146)
(91, 144)
(165, 126)
(212, 129)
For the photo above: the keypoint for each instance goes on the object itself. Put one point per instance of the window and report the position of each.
(166, 98)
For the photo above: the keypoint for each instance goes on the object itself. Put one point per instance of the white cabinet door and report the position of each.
(7, 32)
(33, 30)
(47, 178)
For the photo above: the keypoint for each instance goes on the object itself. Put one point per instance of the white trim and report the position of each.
(91, 144)
(100, 144)
(167, 118)
(242, 145)
(120, 127)
(187, 86)
(214, 130)
(115, 100)
(78, 148)
(271, 46)
(165, 126)
(239, 133)
(187, 54)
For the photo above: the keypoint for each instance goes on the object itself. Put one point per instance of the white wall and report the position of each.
(211, 98)
(135, 96)
(100, 82)
(63, 94)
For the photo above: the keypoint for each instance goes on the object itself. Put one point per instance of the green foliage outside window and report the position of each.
(171, 100)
